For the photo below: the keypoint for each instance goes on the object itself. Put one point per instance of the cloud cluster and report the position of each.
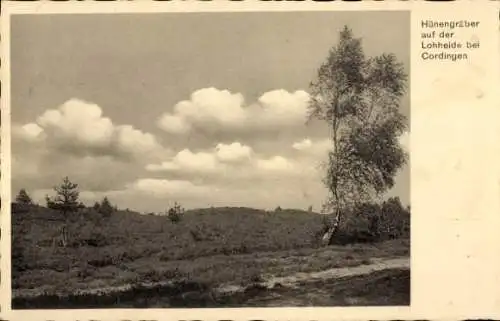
(276, 164)
(186, 160)
(224, 158)
(221, 109)
(77, 140)
(318, 148)
(212, 161)
(243, 171)
(234, 152)
(304, 144)
(165, 187)
(29, 132)
(79, 127)
(238, 165)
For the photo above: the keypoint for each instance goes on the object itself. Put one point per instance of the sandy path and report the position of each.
(291, 281)
(334, 273)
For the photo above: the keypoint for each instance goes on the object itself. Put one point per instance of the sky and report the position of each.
(206, 109)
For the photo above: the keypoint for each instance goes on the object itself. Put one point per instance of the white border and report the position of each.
(429, 300)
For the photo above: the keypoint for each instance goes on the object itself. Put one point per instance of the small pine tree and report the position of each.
(66, 201)
(175, 213)
(23, 198)
(278, 209)
(105, 207)
(96, 206)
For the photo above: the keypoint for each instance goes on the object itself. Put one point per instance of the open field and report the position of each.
(220, 250)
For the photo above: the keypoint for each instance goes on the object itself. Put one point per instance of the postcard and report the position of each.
(250, 160)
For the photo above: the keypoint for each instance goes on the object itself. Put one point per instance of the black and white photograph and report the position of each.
(210, 159)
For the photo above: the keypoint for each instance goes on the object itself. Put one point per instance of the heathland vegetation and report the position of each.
(91, 248)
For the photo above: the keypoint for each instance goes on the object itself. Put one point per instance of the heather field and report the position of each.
(215, 250)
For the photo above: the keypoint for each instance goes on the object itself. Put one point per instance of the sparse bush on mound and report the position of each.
(371, 222)
(23, 203)
(175, 213)
(23, 198)
(105, 208)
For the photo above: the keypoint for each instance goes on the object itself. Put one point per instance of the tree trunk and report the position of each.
(335, 226)
(335, 186)
(325, 240)
(64, 236)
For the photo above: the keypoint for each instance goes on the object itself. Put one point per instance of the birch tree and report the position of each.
(359, 97)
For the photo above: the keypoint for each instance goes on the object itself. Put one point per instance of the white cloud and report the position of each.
(214, 107)
(30, 132)
(317, 148)
(281, 107)
(303, 144)
(233, 152)
(174, 124)
(78, 121)
(80, 126)
(32, 129)
(77, 140)
(186, 160)
(164, 187)
(236, 161)
(276, 164)
(205, 162)
(213, 104)
(208, 105)
(134, 140)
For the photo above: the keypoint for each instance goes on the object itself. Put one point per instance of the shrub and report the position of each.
(175, 213)
(371, 222)
(23, 198)
(105, 208)
(394, 221)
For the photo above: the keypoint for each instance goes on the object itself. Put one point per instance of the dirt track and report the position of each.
(295, 280)
(383, 282)
(377, 265)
